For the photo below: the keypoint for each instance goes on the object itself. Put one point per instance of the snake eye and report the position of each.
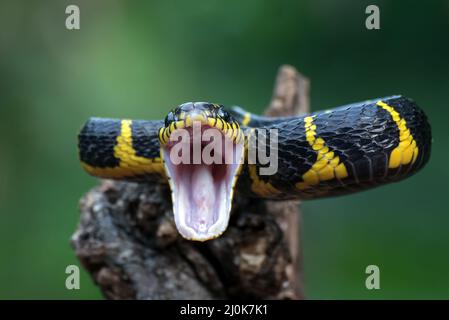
(169, 118)
(223, 114)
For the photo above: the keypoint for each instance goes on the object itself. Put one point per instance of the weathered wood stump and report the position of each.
(127, 239)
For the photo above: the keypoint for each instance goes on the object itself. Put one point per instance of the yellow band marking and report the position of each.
(130, 164)
(211, 122)
(260, 187)
(407, 150)
(327, 166)
(161, 134)
(246, 119)
(105, 173)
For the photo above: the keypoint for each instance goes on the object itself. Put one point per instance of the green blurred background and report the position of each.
(137, 59)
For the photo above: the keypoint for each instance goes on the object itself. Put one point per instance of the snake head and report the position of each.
(202, 147)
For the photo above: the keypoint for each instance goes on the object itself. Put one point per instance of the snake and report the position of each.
(338, 151)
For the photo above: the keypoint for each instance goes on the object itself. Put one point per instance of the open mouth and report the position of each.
(202, 175)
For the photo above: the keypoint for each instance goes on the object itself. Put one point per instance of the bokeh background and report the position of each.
(138, 59)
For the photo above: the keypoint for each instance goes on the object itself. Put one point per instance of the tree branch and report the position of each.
(127, 239)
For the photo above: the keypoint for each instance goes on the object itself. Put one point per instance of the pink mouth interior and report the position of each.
(202, 193)
(200, 190)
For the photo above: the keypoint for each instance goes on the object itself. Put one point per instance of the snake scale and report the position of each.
(339, 151)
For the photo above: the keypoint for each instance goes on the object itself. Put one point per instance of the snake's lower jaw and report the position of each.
(202, 194)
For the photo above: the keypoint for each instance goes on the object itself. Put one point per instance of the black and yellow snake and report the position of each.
(339, 151)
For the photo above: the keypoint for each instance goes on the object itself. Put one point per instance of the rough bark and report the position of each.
(127, 240)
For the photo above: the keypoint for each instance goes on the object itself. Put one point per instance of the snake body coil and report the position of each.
(326, 153)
